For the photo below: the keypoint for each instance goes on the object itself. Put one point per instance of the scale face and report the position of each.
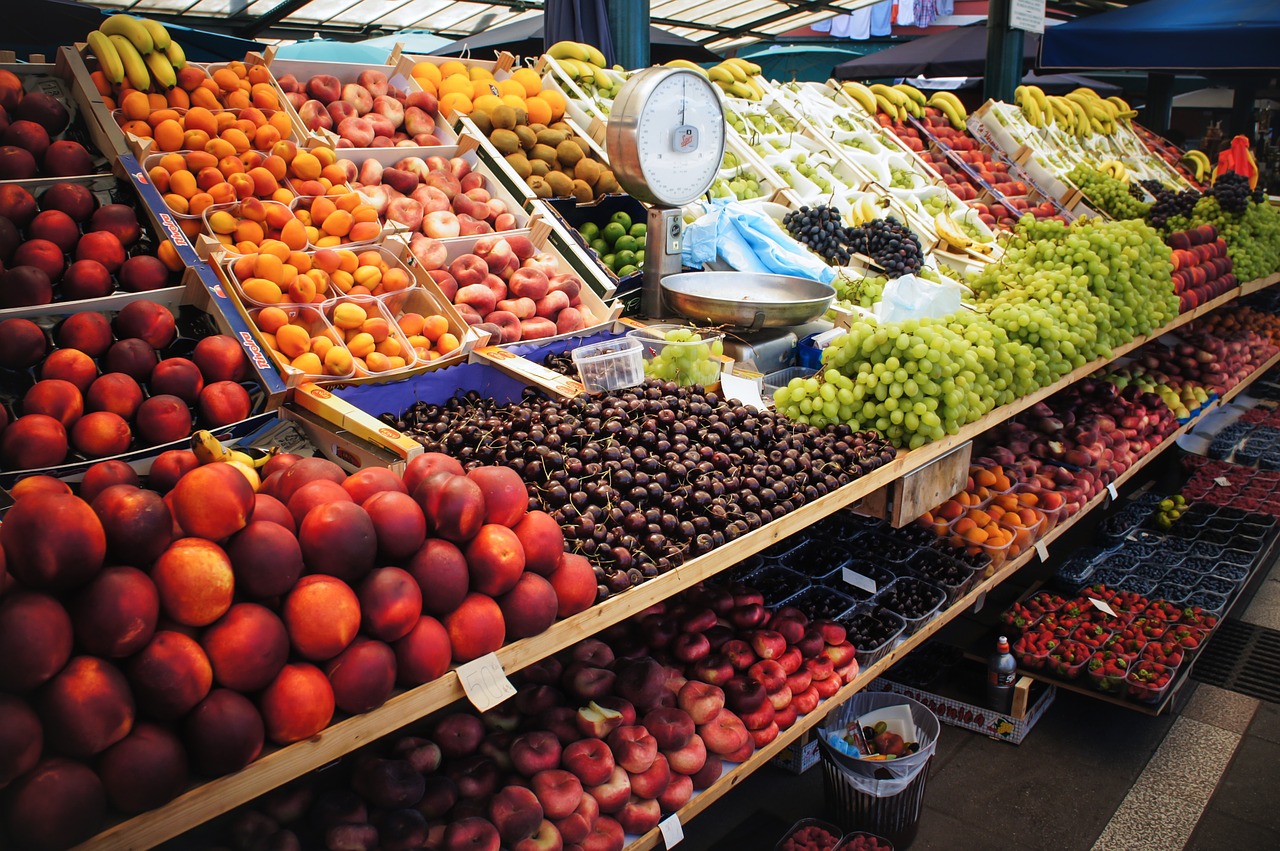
(665, 142)
(665, 137)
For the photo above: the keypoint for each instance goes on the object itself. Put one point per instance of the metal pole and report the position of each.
(1157, 112)
(1004, 54)
(1246, 93)
(629, 26)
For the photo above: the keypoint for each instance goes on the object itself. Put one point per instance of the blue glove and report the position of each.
(749, 240)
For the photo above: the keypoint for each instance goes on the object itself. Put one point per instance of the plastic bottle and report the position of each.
(1002, 671)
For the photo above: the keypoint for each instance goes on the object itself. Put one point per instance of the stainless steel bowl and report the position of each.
(745, 299)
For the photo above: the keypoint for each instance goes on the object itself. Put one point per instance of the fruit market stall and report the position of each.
(476, 568)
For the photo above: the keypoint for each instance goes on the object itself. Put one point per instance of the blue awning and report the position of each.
(1170, 35)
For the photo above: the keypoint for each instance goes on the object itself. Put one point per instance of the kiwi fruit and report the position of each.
(561, 184)
(540, 187)
(540, 168)
(503, 117)
(506, 141)
(588, 171)
(527, 137)
(538, 128)
(584, 145)
(563, 128)
(607, 184)
(568, 153)
(520, 164)
(551, 138)
(582, 192)
(544, 153)
(482, 121)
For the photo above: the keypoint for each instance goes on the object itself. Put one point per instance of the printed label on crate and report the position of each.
(1042, 550)
(672, 830)
(485, 682)
(857, 580)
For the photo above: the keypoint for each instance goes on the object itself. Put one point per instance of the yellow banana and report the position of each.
(721, 73)
(1085, 90)
(131, 28)
(161, 69)
(743, 90)
(595, 57)
(751, 69)
(1031, 110)
(108, 58)
(569, 50)
(176, 55)
(688, 66)
(134, 68)
(160, 38)
(911, 92)
(1041, 98)
(861, 95)
(738, 73)
(950, 232)
(754, 83)
(894, 96)
(885, 105)
(207, 449)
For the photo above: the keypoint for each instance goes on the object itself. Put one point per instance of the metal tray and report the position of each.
(745, 299)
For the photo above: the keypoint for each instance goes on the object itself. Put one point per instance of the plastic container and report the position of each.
(1138, 687)
(811, 826)
(777, 583)
(869, 654)
(871, 569)
(1069, 670)
(313, 319)
(610, 365)
(374, 309)
(952, 576)
(694, 362)
(1104, 682)
(822, 602)
(820, 560)
(275, 210)
(1030, 659)
(772, 382)
(863, 841)
(888, 598)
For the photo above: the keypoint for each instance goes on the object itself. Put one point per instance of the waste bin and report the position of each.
(883, 797)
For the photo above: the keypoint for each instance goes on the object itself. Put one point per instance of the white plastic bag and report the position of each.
(909, 297)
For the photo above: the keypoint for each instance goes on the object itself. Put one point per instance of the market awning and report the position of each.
(1170, 35)
(961, 52)
(525, 38)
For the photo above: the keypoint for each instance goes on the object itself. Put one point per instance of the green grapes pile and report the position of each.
(683, 356)
(1062, 296)
(1106, 194)
(862, 292)
(1253, 237)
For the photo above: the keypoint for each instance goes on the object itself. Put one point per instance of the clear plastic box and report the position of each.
(692, 370)
(775, 380)
(610, 365)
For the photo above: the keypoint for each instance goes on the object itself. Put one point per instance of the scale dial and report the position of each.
(665, 137)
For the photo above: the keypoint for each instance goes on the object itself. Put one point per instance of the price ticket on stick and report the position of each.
(672, 830)
(484, 682)
(1102, 607)
(1111, 489)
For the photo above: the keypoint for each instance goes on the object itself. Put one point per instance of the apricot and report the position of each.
(194, 579)
(224, 733)
(297, 705)
(169, 676)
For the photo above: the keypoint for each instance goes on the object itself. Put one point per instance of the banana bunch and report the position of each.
(248, 461)
(1035, 105)
(863, 211)
(737, 78)
(1199, 165)
(586, 66)
(950, 106)
(139, 50)
(950, 232)
(898, 101)
(1114, 168)
(563, 50)
(862, 96)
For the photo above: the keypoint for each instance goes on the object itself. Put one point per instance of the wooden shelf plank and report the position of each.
(213, 798)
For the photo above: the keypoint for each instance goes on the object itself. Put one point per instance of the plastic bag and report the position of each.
(879, 778)
(909, 297)
(749, 240)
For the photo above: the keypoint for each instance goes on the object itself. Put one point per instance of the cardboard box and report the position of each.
(801, 755)
(979, 719)
(342, 430)
(181, 230)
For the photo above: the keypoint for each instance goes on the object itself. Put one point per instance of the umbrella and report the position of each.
(1216, 98)
(324, 50)
(577, 20)
(524, 38)
(416, 42)
(1054, 84)
(802, 62)
(961, 52)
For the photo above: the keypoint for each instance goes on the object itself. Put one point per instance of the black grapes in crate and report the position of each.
(1169, 202)
(1232, 191)
(891, 245)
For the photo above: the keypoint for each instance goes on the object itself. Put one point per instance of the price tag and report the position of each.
(1042, 550)
(857, 580)
(1111, 489)
(672, 830)
(1223, 480)
(980, 602)
(485, 682)
(1102, 607)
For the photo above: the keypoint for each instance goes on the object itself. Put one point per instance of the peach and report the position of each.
(423, 654)
(223, 403)
(40, 560)
(369, 481)
(25, 286)
(70, 365)
(516, 813)
(103, 247)
(146, 769)
(398, 523)
(101, 435)
(65, 158)
(453, 505)
(422, 466)
(224, 733)
(115, 615)
(116, 393)
(574, 582)
(44, 109)
(213, 501)
(314, 115)
(17, 205)
(265, 558)
(537, 328)
(297, 705)
(43, 255)
(22, 343)
(133, 357)
(528, 608)
(641, 815)
(169, 467)
(322, 616)
(58, 804)
(118, 219)
(313, 495)
(27, 135)
(390, 603)
(35, 640)
(137, 522)
(268, 509)
(74, 199)
(178, 377)
(195, 581)
(442, 575)
(21, 739)
(54, 398)
(338, 539)
(169, 676)
(220, 358)
(142, 272)
(246, 647)
(506, 499)
(148, 321)
(29, 485)
(17, 163)
(710, 772)
(57, 227)
(475, 628)
(306, 470)
(85, 708)
(362, 676)
(495, 559)
(724, 734)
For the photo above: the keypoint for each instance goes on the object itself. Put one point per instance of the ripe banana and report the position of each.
(861, 95)
(160, 38)
(886, 106)
(750, 68)
(108, 58)
(176, 55)
(949, 231)
(911, 92)
(1040, 97)
(134, 68)
(208, 450)
(161, 69)
(131, 28)
(950, 106)
(688, 66)
(891, 94)
(739, 74)
(721, 73)
(569, 50)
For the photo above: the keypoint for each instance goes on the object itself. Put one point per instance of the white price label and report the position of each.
(1102, 607)
(1111, 489)
(857, 580)
(1223, 480)
(485, 682)
(672, 830)
(1042, 550)
(980, 602)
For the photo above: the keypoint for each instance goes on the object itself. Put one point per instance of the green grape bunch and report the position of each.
(684, 356)
(1106, 194)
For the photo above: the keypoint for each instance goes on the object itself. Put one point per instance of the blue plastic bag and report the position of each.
(749, 240)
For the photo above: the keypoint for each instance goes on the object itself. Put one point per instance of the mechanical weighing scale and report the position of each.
(665, 141)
